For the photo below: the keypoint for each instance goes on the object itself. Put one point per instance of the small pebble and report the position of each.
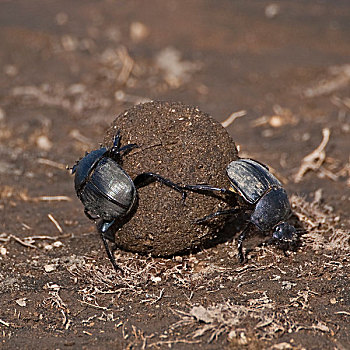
(50, 268)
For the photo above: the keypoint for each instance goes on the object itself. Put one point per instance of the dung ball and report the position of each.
(186, 146)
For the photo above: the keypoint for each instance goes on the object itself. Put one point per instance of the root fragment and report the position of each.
(315, 159)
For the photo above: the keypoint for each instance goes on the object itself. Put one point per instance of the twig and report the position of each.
(53, 198)
(4, 323)
(23, 242)
(160, 296)
(315, 159)
(341, 80)
(47, 237)
(59, 228)
(128, 64)
(343, 313)
(170, 342)
(233, 117)
(92, 305)
(28, 241)
(76, 134)
(51, 163)
(65, 321)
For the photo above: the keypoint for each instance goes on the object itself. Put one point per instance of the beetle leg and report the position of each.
(145, 179)
(116, 142)
(104, 227)
(218, 213)
(127, 148)
(109, 253)
(116, 151)
(240, 240)
(207, 188)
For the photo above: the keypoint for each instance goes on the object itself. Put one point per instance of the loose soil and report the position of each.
(67, 69)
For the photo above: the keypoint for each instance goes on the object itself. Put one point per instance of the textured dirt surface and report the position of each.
(186, 146)
(68, 68)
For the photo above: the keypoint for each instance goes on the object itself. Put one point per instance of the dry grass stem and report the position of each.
(59, 228)
(321, 227)
(4, 323)
(226, 318)
(121, 96)
(341, 80)
(26, 241)
(169, 343)
(315, 159)
(176, 71)
(9, 192)
(233, 117)
(281, 117)
(127, 65)
(93, 305)
(52, 198)
(51, 163)
(343, 313)
(77, 135)
(55, 301)
(74, 98)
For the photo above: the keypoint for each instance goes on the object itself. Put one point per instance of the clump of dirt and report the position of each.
(186, 146)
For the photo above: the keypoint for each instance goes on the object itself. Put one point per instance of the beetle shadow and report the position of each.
(234, 224)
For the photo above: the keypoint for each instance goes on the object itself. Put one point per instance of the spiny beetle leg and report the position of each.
(116, 143)
(127, 148)
(105, 225)
(207, 188)
(145, 179)
(218, 213)
(240, 240)
(110, 254)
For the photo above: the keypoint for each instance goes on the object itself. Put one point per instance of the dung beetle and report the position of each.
(108, 193)
(266, 197)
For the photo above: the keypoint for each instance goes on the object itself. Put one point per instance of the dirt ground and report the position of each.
(68, 68)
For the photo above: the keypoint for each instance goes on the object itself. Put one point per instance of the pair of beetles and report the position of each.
(109, 194)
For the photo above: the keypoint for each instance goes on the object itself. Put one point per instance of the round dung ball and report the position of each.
(186, 146)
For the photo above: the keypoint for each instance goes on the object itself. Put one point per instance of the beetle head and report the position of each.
(285, 236)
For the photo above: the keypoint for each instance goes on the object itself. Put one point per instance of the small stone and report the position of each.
(11, 70)
(156, 279)
(138, 31)
(44, 143)
(50, 268)
(272, 10)
(22, 302)
(61, 18)
(3, 251)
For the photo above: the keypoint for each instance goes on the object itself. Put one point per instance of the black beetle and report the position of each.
(259, 189)
(107, 191)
